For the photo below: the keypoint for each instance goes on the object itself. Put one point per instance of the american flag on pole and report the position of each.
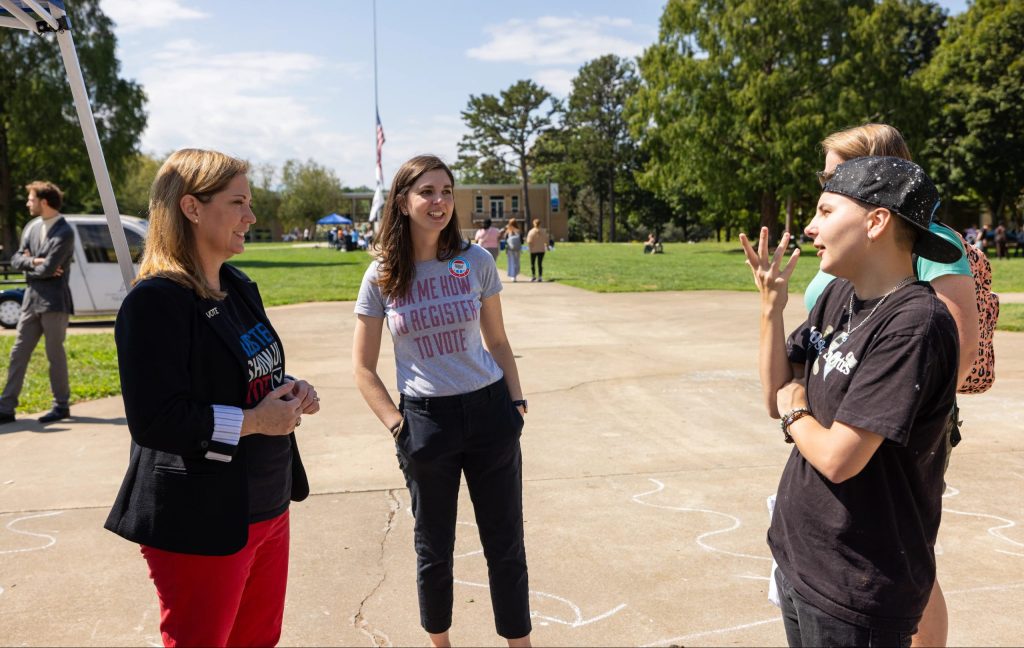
(378, 195)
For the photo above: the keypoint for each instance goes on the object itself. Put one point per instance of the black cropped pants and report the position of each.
(476, 434)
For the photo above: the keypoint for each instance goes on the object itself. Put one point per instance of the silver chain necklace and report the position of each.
(849, 331)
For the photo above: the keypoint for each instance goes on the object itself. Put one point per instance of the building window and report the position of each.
(515, 203)
(479, 206)
(497, 206)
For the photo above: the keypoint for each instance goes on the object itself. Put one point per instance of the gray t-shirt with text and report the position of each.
(436, 327)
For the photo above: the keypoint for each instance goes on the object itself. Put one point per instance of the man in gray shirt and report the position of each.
(47, 244)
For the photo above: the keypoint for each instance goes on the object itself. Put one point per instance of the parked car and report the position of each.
(96, 284)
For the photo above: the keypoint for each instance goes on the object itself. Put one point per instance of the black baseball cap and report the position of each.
(903, 188)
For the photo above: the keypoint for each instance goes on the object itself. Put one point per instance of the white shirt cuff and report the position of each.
(227, 428)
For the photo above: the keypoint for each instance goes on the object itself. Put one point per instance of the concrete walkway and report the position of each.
(647, 462)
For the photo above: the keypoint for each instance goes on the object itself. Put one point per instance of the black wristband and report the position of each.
(517, 403)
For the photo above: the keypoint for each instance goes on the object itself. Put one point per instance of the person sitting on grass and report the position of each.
(653, 244)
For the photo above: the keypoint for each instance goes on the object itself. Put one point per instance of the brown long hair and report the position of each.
(396, 258)
(170, 244)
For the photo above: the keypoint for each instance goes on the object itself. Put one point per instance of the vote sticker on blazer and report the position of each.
(458, 267)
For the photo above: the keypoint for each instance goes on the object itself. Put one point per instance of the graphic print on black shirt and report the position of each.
(266, 365)
(268, 458)
(863, 550)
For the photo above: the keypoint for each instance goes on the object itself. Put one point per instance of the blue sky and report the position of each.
(269, 81)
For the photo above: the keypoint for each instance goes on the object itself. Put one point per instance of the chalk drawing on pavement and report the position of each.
(50, 540)
(575, 618)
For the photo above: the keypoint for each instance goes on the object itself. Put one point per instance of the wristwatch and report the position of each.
(517, 403)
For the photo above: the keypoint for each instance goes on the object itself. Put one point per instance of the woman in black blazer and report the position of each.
(212, 414)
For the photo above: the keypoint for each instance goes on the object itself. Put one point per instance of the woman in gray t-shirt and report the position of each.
(461, 406)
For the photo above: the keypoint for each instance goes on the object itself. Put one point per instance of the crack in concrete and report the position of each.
(377, 637)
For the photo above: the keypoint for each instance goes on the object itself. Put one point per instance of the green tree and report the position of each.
(132, 190)
(475, 169)
(40, 137)
(736, 95)
(874, 75)
(266, 201)
(504, 127)
(308, 191)
(601, 134)
(977, 81)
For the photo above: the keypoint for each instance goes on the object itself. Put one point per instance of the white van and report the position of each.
(96, 284)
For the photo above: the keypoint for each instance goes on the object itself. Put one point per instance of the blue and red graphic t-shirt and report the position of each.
(268, 459)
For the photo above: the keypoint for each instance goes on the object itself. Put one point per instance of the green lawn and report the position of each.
(92, 366)
(288, 275)
(623, 267)
(1011, 317)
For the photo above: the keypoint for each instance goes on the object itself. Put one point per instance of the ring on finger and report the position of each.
(298, 421)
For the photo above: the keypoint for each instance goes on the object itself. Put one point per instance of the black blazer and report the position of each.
(177, 357)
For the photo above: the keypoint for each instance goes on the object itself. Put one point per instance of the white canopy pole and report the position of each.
(34, 6)
(13, 23)
(21, 19)
(92, 143)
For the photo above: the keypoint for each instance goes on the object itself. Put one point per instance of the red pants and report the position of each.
(235, 600)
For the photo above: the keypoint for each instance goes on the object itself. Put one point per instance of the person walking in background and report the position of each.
(214, 462)
(487, 238)
(47, 245)
(953, 284)
(1002, 242)
(537, 242)
(461, 406)
(513, 247)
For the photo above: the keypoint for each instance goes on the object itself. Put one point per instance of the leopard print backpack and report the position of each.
(983, 370)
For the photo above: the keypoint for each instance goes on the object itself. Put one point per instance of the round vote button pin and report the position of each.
(458, 267)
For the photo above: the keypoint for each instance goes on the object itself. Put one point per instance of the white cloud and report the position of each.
(557, 81)
(556, 40)
(438, 134)
(246, 104)
(136, 15)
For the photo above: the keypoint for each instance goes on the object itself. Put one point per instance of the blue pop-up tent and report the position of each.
(334, 219)
(46, 16)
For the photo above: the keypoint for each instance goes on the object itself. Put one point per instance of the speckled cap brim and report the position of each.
(903, 188)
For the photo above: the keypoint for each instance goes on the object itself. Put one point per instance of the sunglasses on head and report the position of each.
(824, 176)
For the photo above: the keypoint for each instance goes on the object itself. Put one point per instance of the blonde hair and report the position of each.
(867, 139)
(170, 244)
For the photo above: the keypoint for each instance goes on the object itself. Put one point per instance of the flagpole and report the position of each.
(375, 107)
(377, 204)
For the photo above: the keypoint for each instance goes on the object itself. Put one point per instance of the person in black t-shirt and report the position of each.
(863, 389)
